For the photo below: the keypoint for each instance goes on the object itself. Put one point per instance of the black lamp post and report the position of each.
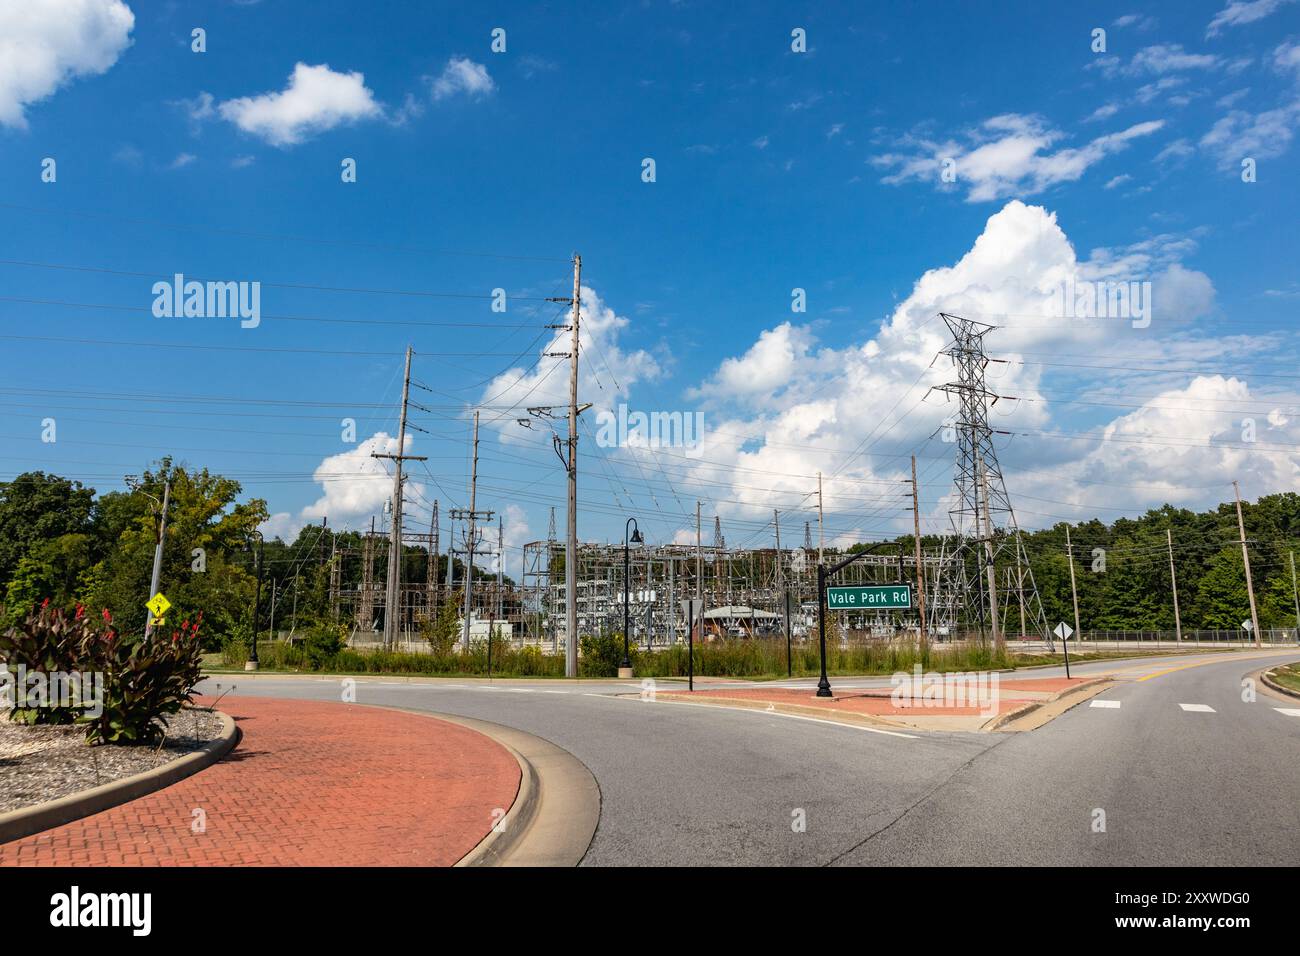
(625, 669)
(823, 575)
(251, 663)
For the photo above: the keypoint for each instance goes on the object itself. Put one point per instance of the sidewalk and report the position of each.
(310, 784)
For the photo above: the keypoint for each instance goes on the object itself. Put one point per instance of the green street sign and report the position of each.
(869, 597)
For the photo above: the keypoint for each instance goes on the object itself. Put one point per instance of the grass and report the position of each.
(763, 659)
(1288, 677)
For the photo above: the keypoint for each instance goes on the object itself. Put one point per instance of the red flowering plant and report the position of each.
(47, 641)
(144, 679)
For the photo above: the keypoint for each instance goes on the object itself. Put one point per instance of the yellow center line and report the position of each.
(1212, 660)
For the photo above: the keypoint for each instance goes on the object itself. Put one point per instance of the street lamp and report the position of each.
(625, 669)
(154, 580)
(251, 663)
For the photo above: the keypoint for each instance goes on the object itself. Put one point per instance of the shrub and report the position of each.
(322, 644)
(441, 632)
(48, 641)
(144, 679)
(602, 654)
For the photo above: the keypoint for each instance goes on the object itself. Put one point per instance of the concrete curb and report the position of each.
(1265, 677)
(556, 811)
(25, 821)
(553, 822)
(1038, 713)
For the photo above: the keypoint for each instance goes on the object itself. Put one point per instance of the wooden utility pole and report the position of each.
(999, 642)
(1074, 593)
(501, 567)
(1296, 595)
(1173, 579)
(571, 541)
(392, 610)
(435, 550)
(920, 568)
(336, 581)
(1245, 559)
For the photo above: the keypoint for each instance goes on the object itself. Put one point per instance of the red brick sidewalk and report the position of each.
(878, 702)
(310, 783)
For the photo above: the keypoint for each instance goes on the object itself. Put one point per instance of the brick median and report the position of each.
(310, 784)
(877, 701)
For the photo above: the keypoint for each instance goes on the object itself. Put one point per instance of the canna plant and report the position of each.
(47, 641)
(143, 679)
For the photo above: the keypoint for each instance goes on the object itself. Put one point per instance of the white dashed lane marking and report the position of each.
(1198, 708)
(1112, 704)
(1289, 711)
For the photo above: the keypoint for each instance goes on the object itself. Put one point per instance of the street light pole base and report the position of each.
(625, 673)
(824, 688)
(250, 665)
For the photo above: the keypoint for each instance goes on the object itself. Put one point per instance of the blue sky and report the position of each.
(774, 170)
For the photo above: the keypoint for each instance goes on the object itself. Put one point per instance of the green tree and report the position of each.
(1221, 598)
(207, 565)
(47, 522)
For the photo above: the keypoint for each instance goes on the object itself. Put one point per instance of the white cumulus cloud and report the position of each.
(1239, 12)
(45, 44)
(316, 99)
(1005, 156)
(461, 75)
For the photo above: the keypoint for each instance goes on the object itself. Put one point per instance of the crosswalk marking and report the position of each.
(1289, 711)
(1198, 708)
(1112, 704)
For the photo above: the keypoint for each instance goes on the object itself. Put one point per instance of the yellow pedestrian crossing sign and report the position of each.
(158, 604)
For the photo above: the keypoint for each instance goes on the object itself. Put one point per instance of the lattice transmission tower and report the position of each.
(986, 536)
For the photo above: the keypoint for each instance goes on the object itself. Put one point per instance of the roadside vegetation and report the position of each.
(761, 659)
(79, 669)
(1288, 677)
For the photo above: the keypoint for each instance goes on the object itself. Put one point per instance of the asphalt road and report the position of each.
(690, 785)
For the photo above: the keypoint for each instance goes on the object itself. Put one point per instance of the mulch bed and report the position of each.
(40, 763)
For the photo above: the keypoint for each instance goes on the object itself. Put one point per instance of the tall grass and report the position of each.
(767, 658)
(762, 657)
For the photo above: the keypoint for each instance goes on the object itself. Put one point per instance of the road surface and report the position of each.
(1184, 770)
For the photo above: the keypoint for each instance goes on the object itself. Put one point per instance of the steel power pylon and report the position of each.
(983, 521)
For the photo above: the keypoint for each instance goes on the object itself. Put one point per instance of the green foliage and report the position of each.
(322, 644)
(144, 679)
(441, 632)
(601, 655)
(766, 657)
(48, 641)
(203, 514)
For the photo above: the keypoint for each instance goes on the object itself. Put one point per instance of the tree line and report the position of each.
(63, 542)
